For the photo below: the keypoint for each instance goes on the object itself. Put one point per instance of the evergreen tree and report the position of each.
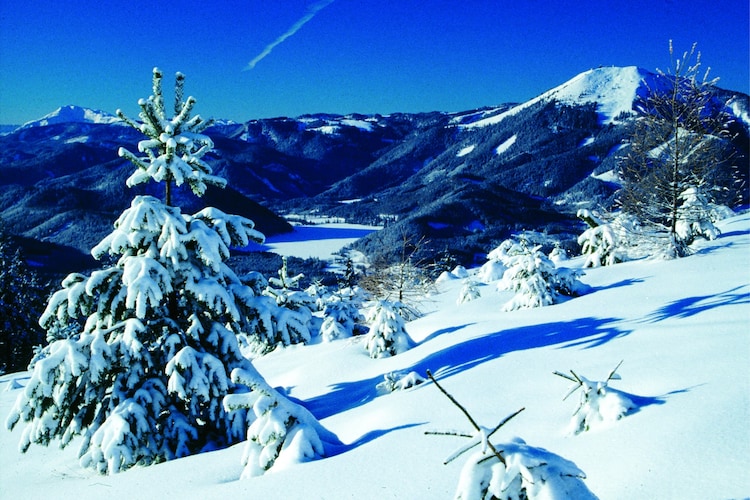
(533, 276)
(387, 336)
(341, 315)
(469, 291)
(599, 242)
(144, 377)
(680, 142)
(21, 303)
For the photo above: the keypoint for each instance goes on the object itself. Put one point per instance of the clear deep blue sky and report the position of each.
(361, 56)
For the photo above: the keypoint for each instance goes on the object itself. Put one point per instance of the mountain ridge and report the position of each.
(463, 179)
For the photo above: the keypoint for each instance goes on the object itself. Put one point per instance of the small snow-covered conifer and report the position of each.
(387, 336)
(341, 316)
(599, 242)
(599, 403)
(533, 277)
(469, 291)
(696, 216)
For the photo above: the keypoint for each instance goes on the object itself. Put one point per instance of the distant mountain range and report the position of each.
(464, 180)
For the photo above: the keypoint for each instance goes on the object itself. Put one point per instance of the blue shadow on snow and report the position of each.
(587, 332)
(690, 306)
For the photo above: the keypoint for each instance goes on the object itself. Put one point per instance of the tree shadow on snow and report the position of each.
(640, 402)
(690, 306)
(587, 332)
(619, 284)
(443, 331)
(333, 450)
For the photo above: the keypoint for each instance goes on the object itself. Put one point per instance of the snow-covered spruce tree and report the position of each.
(696, 216)
(143, 378)
(283, 315)
(533, 276)
(680, 142)
(282, 433)
(469, 291)
(387, 336)
(599, 243)
(341, 315)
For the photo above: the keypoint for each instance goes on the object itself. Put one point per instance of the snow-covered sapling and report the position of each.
(696, 216)
(282, 315)
(598, 403)
(399, 381)
(599, 242)
(282, 434)
(469, 291)
(341, 316)
(533, 276)
(511, 470)
(387, 336)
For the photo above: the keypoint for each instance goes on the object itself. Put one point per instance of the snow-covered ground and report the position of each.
(680, 327)
(320, 241)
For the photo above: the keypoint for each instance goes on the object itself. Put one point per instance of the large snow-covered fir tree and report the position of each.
(142, 373)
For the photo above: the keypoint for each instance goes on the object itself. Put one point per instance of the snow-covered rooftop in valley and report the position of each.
(612, 88)
(680, 328)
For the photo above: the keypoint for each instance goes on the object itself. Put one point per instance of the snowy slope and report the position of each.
(681, 328)
(612, 88)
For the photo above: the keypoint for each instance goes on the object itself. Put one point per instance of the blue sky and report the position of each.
(348, 56)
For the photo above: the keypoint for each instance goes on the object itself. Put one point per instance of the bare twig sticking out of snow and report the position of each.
(482, 432)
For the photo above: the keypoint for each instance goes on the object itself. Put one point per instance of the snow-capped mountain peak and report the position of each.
(72, 114)
(612, 88)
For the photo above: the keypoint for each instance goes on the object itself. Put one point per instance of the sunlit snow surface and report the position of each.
(681, 327)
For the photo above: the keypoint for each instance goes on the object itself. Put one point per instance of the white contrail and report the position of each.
(311, 11)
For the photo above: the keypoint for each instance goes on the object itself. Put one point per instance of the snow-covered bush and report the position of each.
(533, 276)
(283, 433)
(598, 403)
(341, 316)
(387, 335)
(599, 243)
(469, 291)
(142, 374)
(527, 473)
(696, 216)
(399, 381)
(492, 270)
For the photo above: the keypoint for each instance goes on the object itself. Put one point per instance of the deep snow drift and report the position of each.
(680, 327)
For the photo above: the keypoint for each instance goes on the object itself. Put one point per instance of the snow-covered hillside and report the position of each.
(612, 88)
(680, 327)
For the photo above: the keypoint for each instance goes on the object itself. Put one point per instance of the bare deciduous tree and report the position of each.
(680, 142)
